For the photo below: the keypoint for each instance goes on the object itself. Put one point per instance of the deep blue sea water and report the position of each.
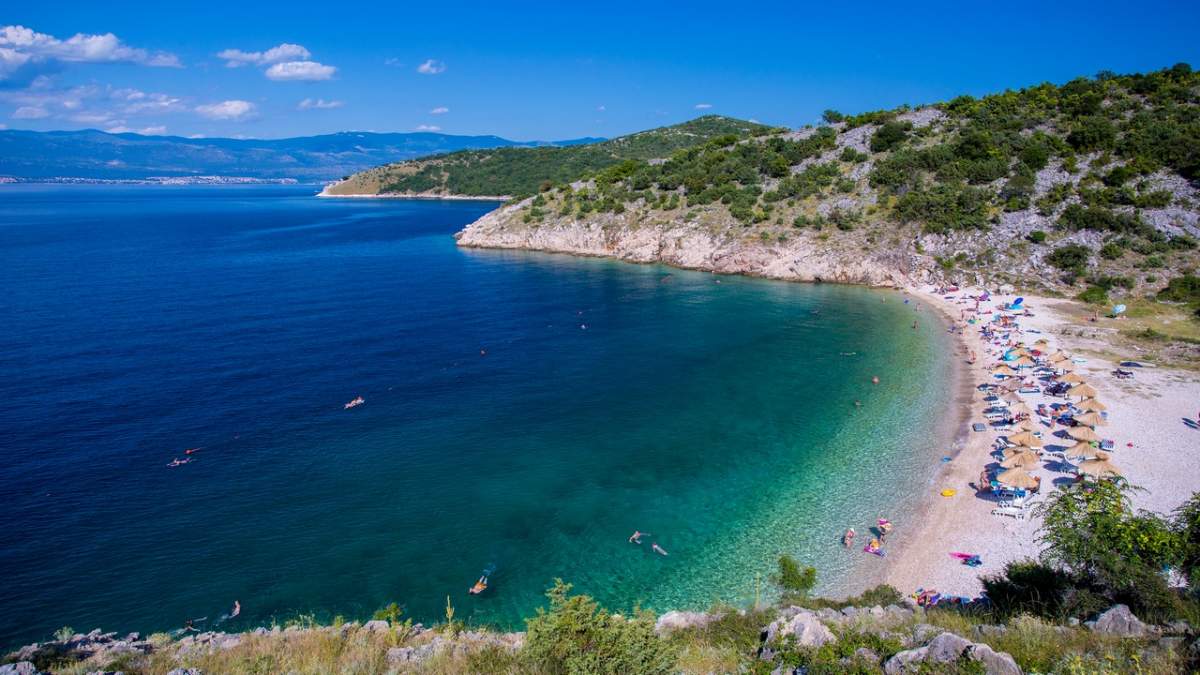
(523, 410)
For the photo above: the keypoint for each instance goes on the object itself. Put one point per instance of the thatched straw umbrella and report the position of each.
(1059, 357)
(1073, 378)
(1020, 408)
(1011, 397)
(1084, 450)
(1027, 424)
(1003, 369)
(1092, 419)
(1021, 459)
(1083, 434)
(1084, 390)
(1025, 438)
(1099, 467)
(1012, 384)
(1018, 478)
(1042, 342)
(1024, 362)
(1091, 405)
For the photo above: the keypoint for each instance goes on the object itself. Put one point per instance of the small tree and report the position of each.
(794, 579)
(1187, 524)
(1091, 531)
(576, 635)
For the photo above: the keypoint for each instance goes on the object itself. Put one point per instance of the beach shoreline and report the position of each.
(1155, 456)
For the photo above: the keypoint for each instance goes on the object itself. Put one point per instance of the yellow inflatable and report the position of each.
(949, 492)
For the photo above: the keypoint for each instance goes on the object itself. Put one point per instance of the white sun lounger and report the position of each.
(1012, 511)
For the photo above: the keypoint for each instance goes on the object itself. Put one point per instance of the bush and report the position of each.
(576, 635)
(1090, 530)
(1028, 587)
(890, 135)
(1072, 258)
(1037, 237)
(945, 207)
(1185, 288)
(832, 117)
(1094, 295)
(793, 578)
(1111, 251)
(1092, 133)
(853, 156)
(1186, 521)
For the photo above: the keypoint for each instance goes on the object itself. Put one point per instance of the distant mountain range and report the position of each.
(91, 154)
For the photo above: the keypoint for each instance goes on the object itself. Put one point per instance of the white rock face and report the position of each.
(804, 626)
(673, 621)
(686, 245)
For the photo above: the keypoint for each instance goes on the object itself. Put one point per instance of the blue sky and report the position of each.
(543, 70)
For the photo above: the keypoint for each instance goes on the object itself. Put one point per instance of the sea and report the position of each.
(523, 413)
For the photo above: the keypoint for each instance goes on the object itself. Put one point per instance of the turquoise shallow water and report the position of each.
(141, 321)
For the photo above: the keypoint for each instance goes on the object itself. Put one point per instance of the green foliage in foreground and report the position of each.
(1097, 552)
(576, 635)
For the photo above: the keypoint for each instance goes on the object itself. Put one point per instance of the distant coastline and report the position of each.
(150, 180)
(413, 195)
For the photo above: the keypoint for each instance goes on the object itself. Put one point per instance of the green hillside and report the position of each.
(522, 171)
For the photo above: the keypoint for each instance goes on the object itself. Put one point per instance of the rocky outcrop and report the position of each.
(673, 621)
(690, 245)
(1118, 620)
(948, 648)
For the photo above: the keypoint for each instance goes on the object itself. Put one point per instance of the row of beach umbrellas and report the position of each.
(1023, 453)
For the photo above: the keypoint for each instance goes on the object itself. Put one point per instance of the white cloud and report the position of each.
(427, 127)
(307, 71)
(318, 104)
(393, 62)
(440, 110)
(30, 112)
(703, 106)
(91, 117)
(24, 52)
(3, 126)
(235, 58)
(226, 110)
(431, 67)
(601, 108)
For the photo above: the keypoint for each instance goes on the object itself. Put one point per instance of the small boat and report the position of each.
(179, 462)
(358, 400)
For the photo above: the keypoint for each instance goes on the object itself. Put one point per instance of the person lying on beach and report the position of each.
(848, 538)
(658, 549)
(636, 537)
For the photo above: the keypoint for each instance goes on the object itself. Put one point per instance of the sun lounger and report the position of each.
(1010, 511)
(979, 426)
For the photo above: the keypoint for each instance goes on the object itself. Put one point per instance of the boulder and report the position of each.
(18, 668)
(805, 627)
(186, 671)
(377, 626)
(1119, 621)
(673, 621)
(866, 655)
(949, 648)
(397, 655)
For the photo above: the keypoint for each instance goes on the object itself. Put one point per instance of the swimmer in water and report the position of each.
(658, 549)
(636, 537)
